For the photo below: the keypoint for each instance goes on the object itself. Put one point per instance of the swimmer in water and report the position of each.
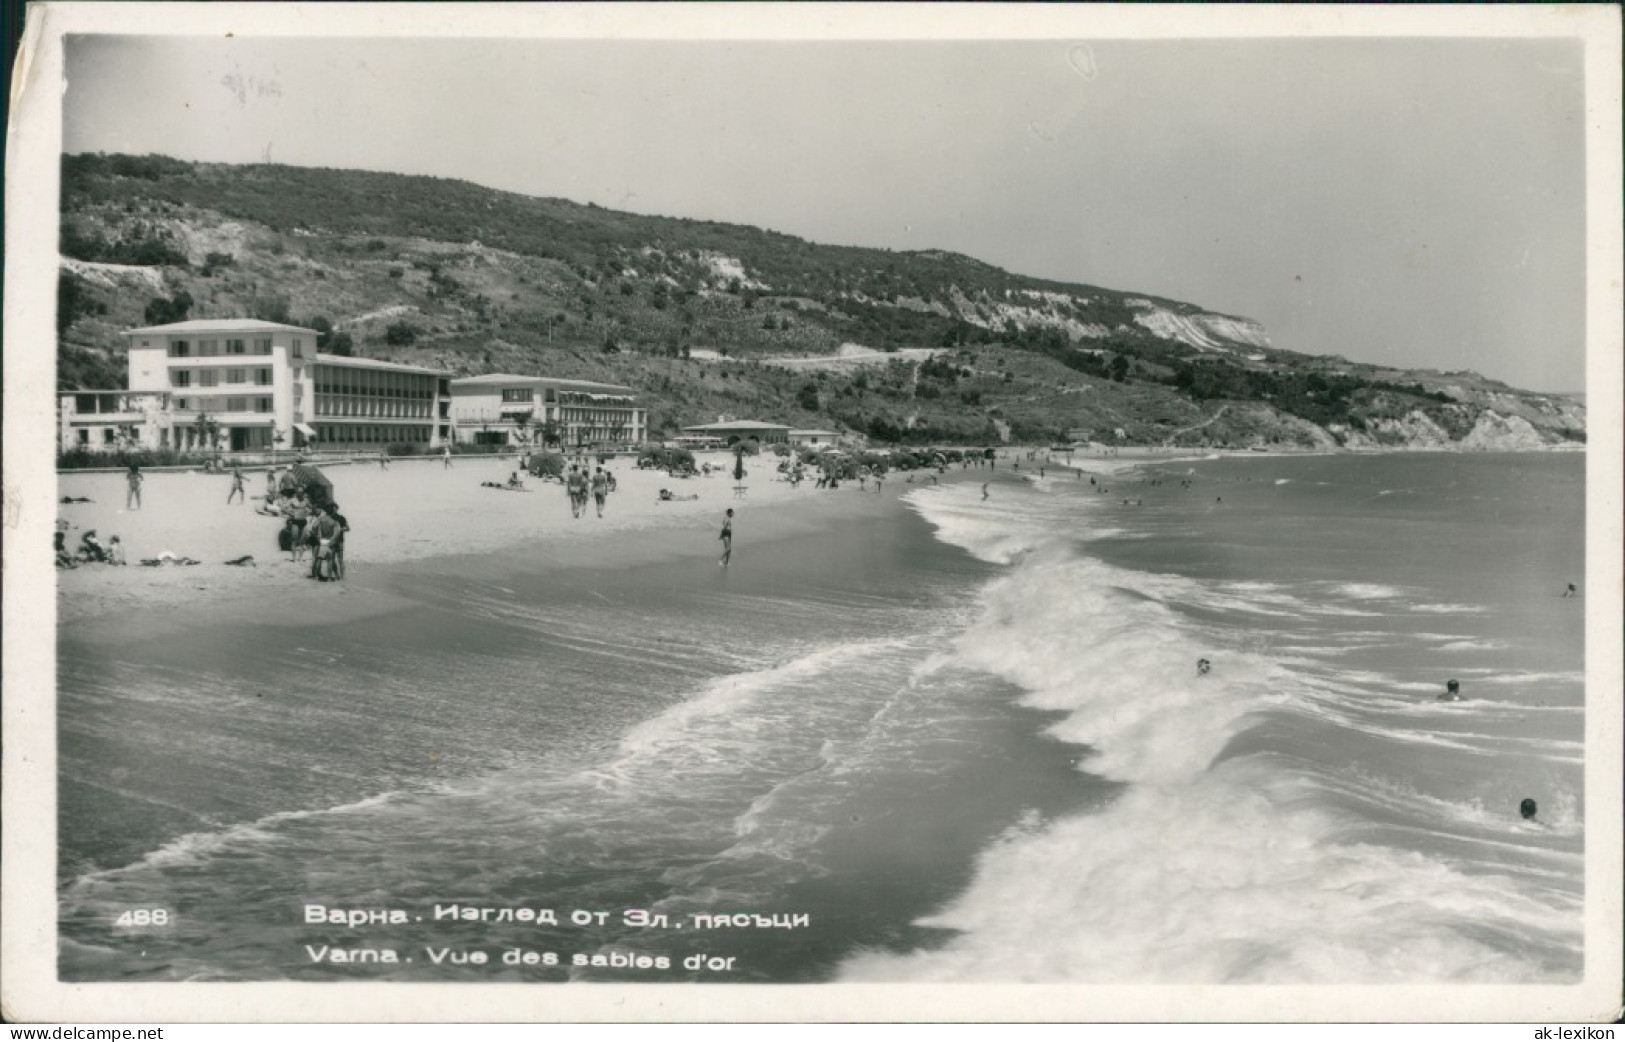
(1203, 667)
(1572, 591)
(1452, 691)
(1527, 809)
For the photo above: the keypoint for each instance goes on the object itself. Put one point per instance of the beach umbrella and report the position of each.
(314, 483)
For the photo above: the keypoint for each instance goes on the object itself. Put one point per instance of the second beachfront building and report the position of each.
(506, 409)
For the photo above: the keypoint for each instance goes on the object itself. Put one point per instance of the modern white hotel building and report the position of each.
(265, 385)
(504, 409)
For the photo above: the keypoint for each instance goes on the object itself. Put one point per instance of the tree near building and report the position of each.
(161, 311)
(208, 433)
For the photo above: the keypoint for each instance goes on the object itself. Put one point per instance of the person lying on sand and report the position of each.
(667, 497)
(82, 499)
(167, 557)
(245, 561)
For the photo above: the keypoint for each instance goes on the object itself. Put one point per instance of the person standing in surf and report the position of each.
(727, 537)
(600, 489)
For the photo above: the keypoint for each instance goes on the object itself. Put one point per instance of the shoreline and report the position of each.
(416, 523)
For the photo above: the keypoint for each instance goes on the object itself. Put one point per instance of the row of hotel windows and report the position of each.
(359, 383)
(625, 416)
(219, 404)
(327, 432)
(208, 348)
(526, 394)
(327, 405)
(211, 377)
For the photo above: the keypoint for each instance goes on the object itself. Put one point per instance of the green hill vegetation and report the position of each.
(705, 318)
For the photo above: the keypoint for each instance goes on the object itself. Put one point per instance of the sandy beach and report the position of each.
(414, 511)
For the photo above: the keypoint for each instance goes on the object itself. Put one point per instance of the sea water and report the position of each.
(966, 741)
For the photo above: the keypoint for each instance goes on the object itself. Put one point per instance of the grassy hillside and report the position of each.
(472, 280)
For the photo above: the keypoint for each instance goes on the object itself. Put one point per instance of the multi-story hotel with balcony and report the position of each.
(504, 409)
(265, 385)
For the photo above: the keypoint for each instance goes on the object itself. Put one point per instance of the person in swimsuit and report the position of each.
(132, 498)
(237, 486)
(727, 537)
(600, 489)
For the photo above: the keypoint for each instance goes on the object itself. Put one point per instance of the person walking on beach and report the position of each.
(445, 457)
(576, 484)
(727, 537)
(383, 459)
(132, 498)
(984, 490)
(600, 489)
(237, 487)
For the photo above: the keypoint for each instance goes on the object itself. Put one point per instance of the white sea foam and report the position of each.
(1219, 883)
(1214, 866)
(1368, 591)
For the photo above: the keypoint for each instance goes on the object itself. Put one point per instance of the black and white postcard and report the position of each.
(813, 513)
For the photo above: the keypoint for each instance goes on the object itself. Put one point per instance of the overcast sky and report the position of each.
(1410, 202)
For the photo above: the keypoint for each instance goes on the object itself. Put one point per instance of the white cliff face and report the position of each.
(990, 313)
(114, 276)
(1497, 433)
(1491, 433)
(1204, 332)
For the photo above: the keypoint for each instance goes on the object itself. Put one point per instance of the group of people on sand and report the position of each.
(320, 529)
(91, 550)
(513, 484)
(579, 484)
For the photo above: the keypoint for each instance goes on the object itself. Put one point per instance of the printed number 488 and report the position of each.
(143, 917)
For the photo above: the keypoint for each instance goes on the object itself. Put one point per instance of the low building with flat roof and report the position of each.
(510, 409)
(106, 421)
(813, 438)
(728, 432)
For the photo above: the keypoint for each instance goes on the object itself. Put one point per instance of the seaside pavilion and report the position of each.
(730, 432)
